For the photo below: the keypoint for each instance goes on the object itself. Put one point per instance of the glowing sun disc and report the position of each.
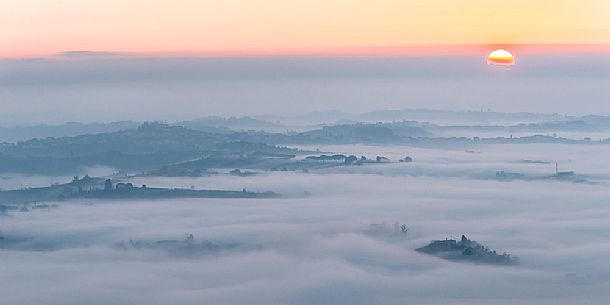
(501, 57)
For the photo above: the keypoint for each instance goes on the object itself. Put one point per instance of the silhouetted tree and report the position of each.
(108, 185)
(351, 159)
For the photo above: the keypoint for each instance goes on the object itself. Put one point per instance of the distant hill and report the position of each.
(423, 115)
(149, 146)
(362, 133)
(448, 116)
(212, 124)
(311, 118)
(402, 121)
(14, 134)
(98, 188)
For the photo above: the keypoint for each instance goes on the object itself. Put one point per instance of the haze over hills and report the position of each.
(428, 122)
(358, 191)
(229, 124)
(441, 117)
(215, 141)
(304, 152)
(20, 133)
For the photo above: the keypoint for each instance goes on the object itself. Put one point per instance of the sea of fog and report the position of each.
(330, 239)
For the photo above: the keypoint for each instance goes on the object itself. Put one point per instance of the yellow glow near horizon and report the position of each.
(31, 27)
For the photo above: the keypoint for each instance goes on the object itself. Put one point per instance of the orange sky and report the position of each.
(241, 27)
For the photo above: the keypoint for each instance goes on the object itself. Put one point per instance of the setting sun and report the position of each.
(501, 57)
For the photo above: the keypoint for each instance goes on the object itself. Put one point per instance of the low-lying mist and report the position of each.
(317, 244)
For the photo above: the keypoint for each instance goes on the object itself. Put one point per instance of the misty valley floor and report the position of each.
(316, 245)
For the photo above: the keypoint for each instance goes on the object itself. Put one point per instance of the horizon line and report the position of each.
(415, 50)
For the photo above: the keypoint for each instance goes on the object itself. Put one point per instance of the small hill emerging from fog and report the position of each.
(466, 250)
(98, 188)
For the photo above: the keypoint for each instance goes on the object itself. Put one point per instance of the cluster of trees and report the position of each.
(351, 159)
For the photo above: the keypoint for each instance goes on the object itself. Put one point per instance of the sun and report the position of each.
(501, 57)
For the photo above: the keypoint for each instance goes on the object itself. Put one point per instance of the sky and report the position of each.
(41, 28)
(95, 60)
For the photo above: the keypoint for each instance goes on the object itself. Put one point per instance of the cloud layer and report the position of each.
(321, 249)
(94, 89)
